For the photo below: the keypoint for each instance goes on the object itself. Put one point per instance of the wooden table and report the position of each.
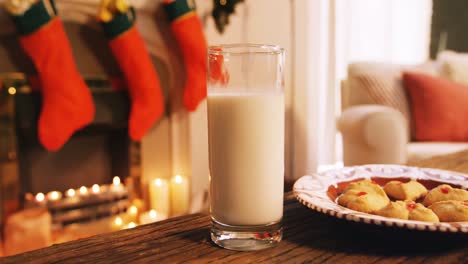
(308, 237)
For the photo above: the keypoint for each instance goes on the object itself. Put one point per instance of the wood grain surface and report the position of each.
(457, 161)
(309, 237)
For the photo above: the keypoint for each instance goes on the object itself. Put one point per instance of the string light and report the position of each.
(70, 193)
(12, 90)
(83, 190)
(40, 197)
(95, 188)
(116, 180)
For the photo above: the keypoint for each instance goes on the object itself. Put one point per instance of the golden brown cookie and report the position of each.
(394, 210)
(408, 210)
(419, 212)
(409, 191)
(451, 210)
(445, 192)
(365, 186)
(366, 202)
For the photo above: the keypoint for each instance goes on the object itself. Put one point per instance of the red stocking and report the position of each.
(142, 80)
(188, 32)
(67, 105)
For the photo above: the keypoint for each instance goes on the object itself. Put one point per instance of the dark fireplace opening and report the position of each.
(92, 156)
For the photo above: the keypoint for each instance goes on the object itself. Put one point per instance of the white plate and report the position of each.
(318, 192)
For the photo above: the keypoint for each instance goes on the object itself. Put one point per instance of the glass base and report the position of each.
(246, 238)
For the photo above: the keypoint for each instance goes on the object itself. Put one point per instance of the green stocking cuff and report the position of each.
(178, 8)
(119, 24)
(35, 17)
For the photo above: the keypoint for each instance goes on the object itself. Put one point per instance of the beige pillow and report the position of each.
(454, 66)
(383, 84)
(385, 89)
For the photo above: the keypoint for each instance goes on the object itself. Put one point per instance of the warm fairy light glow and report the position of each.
(133, 209)
(178, 179)
(158, 182)
(40, 197)
(116, 180)
(95, 188)
(54, 195)
(153, 213)
(118, 221)
(83, 190)
(12, 90)
(70, 193)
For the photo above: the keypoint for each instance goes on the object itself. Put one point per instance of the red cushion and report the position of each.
(439, 108)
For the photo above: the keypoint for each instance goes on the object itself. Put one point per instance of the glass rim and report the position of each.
(237, 49)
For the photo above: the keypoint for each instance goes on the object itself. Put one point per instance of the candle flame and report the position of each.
(153, 213)
(116, 180)
(83, 190)
(54, 195)
(95, 188)
(178, 179)
(40, 197)
(70, 193)
(158, 182)
(133, 209)
(131, 225)
(118, 221)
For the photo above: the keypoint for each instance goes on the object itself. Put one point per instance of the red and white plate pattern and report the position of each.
(313, 192)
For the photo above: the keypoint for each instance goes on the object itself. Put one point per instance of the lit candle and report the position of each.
(132, 213)
(159, 196)
(179, 195)
(54, 196)
(116, 180)
(116, 186)
(95, 189)
(40, 198)
(70, 193)
(117, 223)
(130, 225)
(83, 190)
(151, 217)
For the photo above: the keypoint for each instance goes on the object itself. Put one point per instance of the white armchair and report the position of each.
(373, 133)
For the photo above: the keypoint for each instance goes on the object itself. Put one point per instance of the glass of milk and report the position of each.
(246, 144)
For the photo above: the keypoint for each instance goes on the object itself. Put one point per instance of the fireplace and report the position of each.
(99, 180)
(93, 158)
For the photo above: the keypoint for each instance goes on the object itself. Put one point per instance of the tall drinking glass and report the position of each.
(246, 144)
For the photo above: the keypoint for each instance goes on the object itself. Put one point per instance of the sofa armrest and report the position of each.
(373, 134)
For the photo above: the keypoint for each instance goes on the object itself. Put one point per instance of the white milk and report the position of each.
(246, 147)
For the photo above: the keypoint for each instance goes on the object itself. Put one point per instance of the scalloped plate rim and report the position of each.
(319, 201)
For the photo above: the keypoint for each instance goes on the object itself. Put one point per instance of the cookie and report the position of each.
(365, 186)
(419, 212)
(409, 191)
(394, 210)
(366, 202)
(445, 192)
(451, 210)
(408, 210)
